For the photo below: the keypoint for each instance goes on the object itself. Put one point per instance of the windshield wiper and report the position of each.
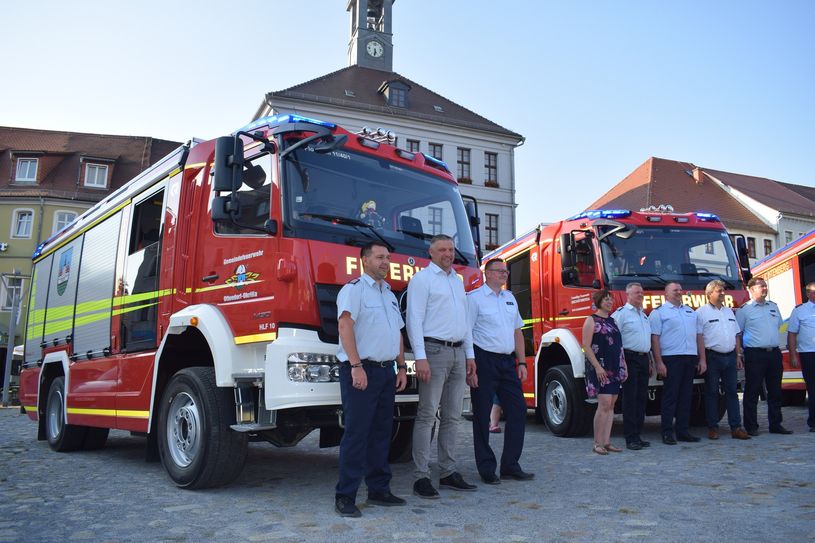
(349, 221)
(727, 283)
(460, 258)
(656, 276)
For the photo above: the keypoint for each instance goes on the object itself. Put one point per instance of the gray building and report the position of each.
(368, 93)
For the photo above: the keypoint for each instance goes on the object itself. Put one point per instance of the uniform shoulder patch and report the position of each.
(353, 281)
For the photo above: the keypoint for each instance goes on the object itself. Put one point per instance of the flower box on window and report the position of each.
(465, 181)
(491, 246)
(491, 184)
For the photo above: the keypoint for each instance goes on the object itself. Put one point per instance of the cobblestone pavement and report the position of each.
(725, 490)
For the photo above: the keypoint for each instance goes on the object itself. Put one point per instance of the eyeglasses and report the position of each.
(499, 271)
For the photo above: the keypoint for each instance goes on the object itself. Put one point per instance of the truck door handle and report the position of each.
(210, 278)
(563, 312)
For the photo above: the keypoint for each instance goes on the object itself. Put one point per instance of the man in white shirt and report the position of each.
(500, 368)
(443, 347)
(716, 331)
(636, 333)
(801, 343)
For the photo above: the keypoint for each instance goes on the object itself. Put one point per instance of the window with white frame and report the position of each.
(26, 170)
(22, 223)
(463, 162)
(96, 175)
(491, 229)
(15, 288)
(413, 146)
(491, 169)
(62, 219)
(436, 150)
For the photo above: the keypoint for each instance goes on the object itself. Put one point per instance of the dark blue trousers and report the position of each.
(677, 391)
(721, 368)
(497, 376)
(808, 369)
(762, 367)
(635, 394)
(368, 425)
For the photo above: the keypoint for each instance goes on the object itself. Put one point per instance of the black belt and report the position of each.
(717, 352)
(634, 352)
(383, 364)
(453, 344)
(765, 349)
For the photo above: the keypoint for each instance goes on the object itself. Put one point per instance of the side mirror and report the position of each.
(566, 251)
(743, 256)
(471, 207)
(228, 164)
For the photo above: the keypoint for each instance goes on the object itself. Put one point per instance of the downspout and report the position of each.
(514, 183)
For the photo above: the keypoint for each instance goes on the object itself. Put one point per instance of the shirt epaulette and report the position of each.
(353, 281)
(799, 305)
(619, 309)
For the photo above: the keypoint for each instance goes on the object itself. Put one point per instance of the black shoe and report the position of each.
(668, 440)
(752, 432)
(345, 507)
(386, 500)
(780, 430)
(424, 489)
(456, 482)
(645, 444)
(491, 479)
(634, 446)
(687, 437)
(519, 475)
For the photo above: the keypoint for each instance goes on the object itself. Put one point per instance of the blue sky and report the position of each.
(595, 87)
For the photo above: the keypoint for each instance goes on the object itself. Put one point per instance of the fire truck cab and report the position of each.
(196, 305)
(555, 268)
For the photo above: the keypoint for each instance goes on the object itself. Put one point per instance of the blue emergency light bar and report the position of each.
(438, 163)
(281, 119)
(707, 217)
(602, 214)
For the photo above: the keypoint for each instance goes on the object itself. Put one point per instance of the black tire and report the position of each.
(698, 416)
(401, 450)
(793, 397)
(562, 403)
(61, 437)
(95, 438)
(196, 445)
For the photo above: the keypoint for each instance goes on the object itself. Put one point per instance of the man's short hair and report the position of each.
(599, 296)
(669, 283)
(809, 286)
(713, 285)
(492, 261)
(440, 237)
(632, 284)
(368, 248)
(754, 281)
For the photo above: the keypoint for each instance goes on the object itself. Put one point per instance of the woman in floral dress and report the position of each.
(605, 368)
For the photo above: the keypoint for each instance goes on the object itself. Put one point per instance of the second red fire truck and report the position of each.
(555, 268)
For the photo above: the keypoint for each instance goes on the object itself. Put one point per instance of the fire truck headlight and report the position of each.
(313, 368)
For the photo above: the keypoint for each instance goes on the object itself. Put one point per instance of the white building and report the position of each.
(368, 93)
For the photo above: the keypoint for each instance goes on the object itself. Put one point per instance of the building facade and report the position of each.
(368, 93)
(47, 179)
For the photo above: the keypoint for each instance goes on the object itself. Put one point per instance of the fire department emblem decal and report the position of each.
(241, 277)
(64, 271)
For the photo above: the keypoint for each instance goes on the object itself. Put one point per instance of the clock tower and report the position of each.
(371, 43)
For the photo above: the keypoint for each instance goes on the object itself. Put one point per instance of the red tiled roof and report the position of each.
(659, 181)
(365, 84)
(785, 197)
(61, 156)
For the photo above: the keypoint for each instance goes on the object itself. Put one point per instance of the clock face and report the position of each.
(375, 49)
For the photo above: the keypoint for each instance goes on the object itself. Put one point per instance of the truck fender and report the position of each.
(218, 335)
(59, 358)
(570, 344)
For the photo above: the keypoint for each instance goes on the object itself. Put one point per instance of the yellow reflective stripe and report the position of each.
(140, 297)
(529, 394)
(60, 312)
(108, 412)
(215, 287)
(132, 308)
(30, 408)
(52, 327)
(195, 165)
(87, 319)
(255, 338)
(86, 228)
(175, 172)
(570, 318)
(792, 380)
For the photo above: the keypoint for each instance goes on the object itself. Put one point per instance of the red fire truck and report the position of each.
(555, 268)
(787, 271)
(196, 305)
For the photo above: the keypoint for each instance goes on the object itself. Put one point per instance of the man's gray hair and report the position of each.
(713, 285)
(440, 237)
(631, 285)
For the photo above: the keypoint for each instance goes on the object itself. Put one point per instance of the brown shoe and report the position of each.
(713, 433)
(739, 433)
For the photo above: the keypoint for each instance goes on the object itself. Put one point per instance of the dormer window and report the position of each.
(26, 170)
(395, 93)
(96, 176)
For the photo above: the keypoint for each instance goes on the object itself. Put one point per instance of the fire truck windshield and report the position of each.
(655, 255)
(351, 198)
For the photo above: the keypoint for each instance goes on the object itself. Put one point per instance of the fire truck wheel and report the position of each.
(61, 437)
(562, 403)
(196, 445)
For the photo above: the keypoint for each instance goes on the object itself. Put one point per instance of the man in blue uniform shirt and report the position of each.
(673, 342)
(500, 368)
(370, 345)
(759, 320)
(801, 343)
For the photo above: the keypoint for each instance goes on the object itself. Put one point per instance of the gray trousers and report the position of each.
(445, 390)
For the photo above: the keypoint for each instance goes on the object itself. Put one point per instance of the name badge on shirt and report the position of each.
(510, 303)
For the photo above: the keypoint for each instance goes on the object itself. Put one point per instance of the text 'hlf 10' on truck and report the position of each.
(197, 304)
(555, 268)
